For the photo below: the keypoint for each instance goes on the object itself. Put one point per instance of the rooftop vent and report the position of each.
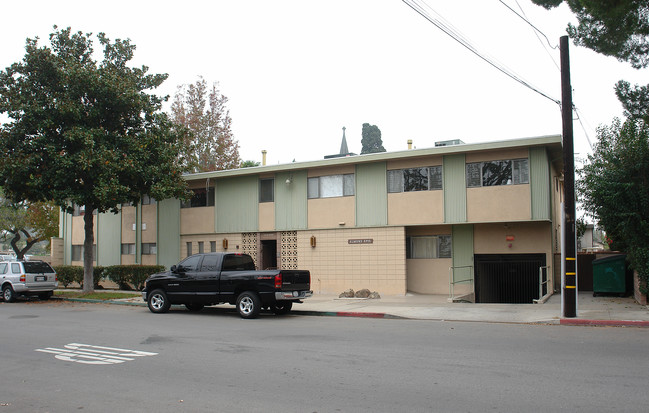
(449, 143)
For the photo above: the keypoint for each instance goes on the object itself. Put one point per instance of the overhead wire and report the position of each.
(456, 35)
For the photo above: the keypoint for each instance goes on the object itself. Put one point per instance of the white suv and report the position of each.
(27, 278)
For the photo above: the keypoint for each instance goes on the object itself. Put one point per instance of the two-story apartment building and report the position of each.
(470, 218)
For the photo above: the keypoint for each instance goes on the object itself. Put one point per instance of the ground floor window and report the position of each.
(428, 247)
(128, 249)
(149, 248)
(77, 252)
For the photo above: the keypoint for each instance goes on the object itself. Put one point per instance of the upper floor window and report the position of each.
(148, 200)
(202, 197)
(491, 173)
(267, 190)
(331, 186)
(415, 179)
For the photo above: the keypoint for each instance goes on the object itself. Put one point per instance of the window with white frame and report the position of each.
(428, 246)
(493, 173)
(331, 186)
(415, 179)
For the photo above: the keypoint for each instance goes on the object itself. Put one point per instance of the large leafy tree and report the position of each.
(85, 132)
(25, 224)
(371, 139)
(208, 134)
(614, 188)
(618, 28)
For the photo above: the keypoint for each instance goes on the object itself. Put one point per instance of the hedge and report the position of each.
(127, 277)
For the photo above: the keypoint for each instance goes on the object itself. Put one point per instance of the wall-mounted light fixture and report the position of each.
(312, 241)
(225, 243)
(289, 180)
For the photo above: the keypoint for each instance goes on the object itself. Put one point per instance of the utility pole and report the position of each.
(569, 292)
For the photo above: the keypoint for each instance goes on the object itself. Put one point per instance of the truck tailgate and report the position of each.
(296, 280)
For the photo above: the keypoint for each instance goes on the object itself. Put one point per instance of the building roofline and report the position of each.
(382, 156)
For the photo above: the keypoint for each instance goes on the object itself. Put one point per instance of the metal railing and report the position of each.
(543, 283)
(469, 293)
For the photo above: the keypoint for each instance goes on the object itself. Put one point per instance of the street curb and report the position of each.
(603, 323)
(347, 314)
(88, 300)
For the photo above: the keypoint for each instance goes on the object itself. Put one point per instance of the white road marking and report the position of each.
(89, 354)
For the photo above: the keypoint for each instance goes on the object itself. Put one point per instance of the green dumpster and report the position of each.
(609, 275)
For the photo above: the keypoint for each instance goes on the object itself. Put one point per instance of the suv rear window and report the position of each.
(37, 267)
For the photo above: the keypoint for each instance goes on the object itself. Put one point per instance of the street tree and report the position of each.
(25, 224)
(208, 127)
(371, 139)
(249, 164)
(86, 132)
(614, 28)
(614, 189)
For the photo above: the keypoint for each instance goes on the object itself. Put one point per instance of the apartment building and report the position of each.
(474, 221)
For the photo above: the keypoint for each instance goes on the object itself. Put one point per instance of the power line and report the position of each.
(528, 22)
(447, 28)
(536, 33)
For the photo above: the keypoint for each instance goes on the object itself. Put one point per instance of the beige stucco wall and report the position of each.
(150, 219)
(128, 220)
(415, 163)
(266, 216)
(416, 208)
(499, 203)
(499, 155)
(336, 265)
(332, 170)
(199, 220)
(78, 232)
(330, 212)
(429, 276)
(234, 243)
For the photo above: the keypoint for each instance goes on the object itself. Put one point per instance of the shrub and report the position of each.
(129, 277)
(68, 274)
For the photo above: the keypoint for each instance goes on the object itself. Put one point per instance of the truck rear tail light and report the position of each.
(22, 278)
(278, 280)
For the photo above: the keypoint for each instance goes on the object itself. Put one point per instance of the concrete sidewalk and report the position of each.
(603, 311)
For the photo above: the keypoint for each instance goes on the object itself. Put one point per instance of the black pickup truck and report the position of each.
(215, 278)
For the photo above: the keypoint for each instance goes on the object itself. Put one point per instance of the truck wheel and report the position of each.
(193, 307)
(158, 302)
(282, 307)
(8, 294)
(248, 304)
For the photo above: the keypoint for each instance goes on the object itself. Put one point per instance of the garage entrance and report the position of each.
(507, 278)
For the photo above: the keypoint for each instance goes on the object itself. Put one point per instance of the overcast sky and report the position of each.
(297, 71)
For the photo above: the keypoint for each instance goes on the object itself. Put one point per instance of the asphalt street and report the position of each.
(64, 356)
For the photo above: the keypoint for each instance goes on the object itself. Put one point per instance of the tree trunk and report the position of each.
(88, 279)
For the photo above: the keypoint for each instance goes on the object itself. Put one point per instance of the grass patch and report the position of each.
(95, 295)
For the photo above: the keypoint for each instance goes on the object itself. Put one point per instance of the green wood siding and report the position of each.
(454, 188)
(462, 251)
(291, 201)
(168, 241)
(67, 237)
(237, 204)
(371, 195)
(109, 238)
(540, 183)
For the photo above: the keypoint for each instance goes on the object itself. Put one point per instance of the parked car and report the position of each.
(27, 278)
(214, 278)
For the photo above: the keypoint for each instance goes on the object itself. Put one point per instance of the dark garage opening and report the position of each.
(507, 278)
(268, 254)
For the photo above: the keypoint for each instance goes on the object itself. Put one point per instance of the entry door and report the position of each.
(507, 278)
(268, 254)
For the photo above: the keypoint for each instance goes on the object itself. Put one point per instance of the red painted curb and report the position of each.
(357, 314)
(614, 323)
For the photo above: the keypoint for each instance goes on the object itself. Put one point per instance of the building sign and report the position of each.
(361, 241)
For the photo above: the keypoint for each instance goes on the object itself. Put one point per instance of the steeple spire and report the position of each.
(343, 145)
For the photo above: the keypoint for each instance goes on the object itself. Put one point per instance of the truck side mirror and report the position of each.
(173, 268)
